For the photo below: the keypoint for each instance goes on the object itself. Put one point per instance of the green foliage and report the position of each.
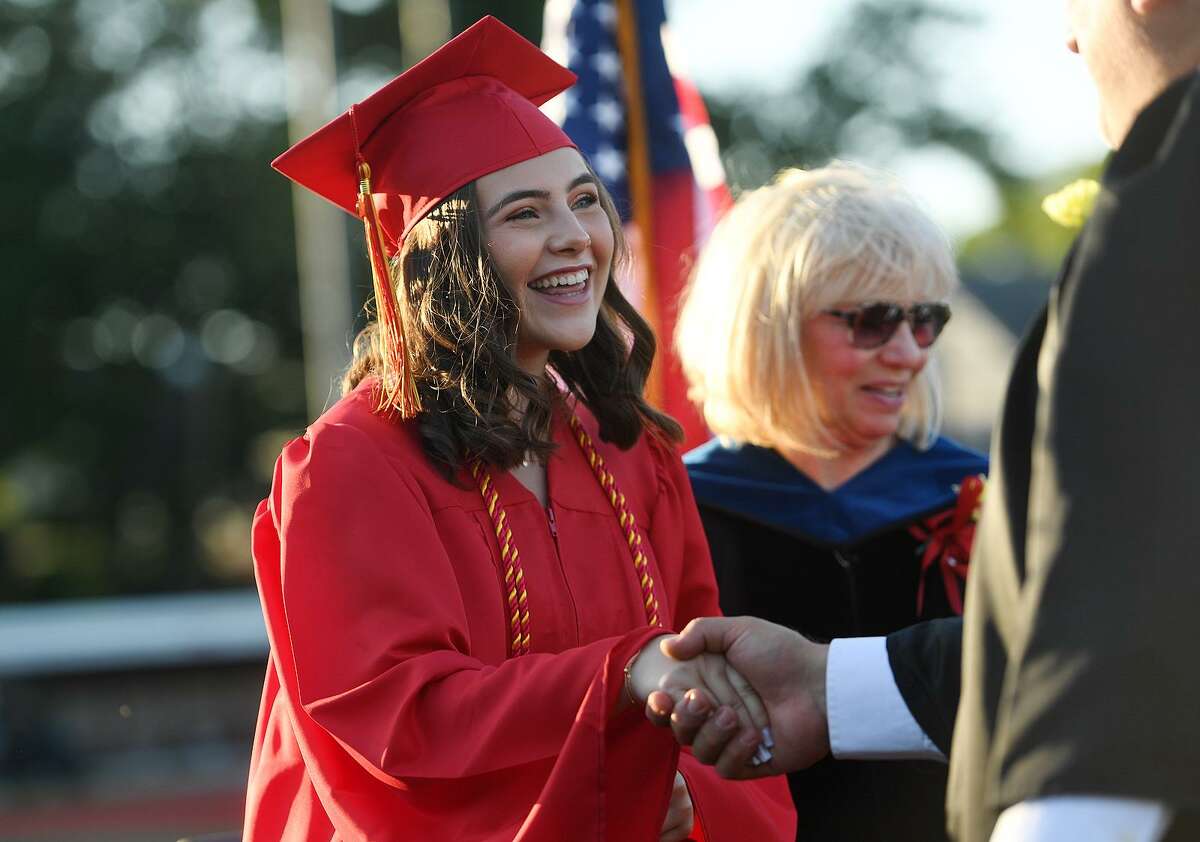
(873, 84)
(149, 299)
(1025, 236)
(873, 87)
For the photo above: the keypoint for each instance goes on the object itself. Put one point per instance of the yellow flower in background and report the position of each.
(1071, 206)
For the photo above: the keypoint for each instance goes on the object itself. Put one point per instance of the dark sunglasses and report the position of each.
(873, 325)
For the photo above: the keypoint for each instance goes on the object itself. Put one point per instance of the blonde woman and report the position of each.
(831, 503)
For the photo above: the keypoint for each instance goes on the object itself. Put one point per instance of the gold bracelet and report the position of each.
(629, 680)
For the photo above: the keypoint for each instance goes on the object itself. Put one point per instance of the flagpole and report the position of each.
(641, 192)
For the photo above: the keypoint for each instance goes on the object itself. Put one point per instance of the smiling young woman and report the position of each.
(466, 564)
(476, 271)
(551, 241)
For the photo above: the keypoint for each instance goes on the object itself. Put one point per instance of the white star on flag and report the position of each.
(607, 64)
(606, 13)
(607, 114)
(570, 101)
(609, 162)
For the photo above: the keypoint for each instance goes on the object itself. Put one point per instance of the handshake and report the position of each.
(748, 696)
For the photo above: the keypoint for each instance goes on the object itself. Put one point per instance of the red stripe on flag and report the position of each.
(673, 254)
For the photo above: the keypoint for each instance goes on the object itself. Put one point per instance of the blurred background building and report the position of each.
(163, 348)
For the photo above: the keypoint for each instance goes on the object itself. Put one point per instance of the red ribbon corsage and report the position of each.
(946, 540)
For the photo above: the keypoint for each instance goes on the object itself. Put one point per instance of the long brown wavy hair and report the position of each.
(462, 337)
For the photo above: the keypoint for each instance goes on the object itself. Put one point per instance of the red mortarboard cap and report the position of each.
(469, 109)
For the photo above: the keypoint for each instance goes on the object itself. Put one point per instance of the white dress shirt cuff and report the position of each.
(868, 719)
(1094, 818)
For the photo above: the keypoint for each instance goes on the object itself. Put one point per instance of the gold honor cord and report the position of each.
(515, 594)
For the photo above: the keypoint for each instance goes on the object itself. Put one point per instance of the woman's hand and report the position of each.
(731, 696)
(677, 825)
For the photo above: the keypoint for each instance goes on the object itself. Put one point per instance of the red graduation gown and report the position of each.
(390, 709)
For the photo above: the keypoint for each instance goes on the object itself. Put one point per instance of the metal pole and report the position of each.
(322, 260)
(424, 26)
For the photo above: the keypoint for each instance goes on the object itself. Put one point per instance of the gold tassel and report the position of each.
(401, 392)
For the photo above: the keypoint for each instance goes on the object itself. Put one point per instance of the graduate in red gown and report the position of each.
(467, 563)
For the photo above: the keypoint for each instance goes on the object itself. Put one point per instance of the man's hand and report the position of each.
(788, 673)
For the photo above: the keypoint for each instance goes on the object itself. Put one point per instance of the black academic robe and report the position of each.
(852, 562)
(1080, 672)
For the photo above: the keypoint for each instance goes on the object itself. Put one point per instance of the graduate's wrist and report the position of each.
(644, 671)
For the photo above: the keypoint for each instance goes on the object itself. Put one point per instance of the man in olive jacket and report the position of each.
(1080, 707)
(1080, 674)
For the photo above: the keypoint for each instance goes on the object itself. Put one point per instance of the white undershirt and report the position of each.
(868, 720)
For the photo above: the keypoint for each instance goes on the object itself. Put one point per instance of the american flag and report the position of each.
(625, 115)
(595, 106)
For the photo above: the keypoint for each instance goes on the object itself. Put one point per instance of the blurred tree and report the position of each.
(524, 17)
(872, 89)
(149, 293)
(148, 306)
(1025, 242)
(872, 92)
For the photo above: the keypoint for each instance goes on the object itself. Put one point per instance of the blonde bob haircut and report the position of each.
(812, 239)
